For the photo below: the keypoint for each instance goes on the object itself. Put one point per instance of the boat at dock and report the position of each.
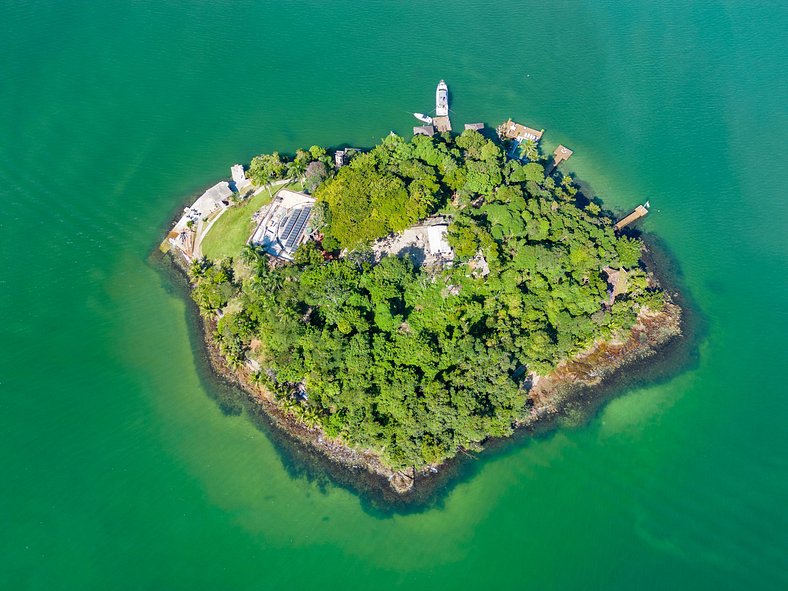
(442, 100)
(423, 118)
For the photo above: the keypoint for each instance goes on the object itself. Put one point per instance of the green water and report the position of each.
(118, 468)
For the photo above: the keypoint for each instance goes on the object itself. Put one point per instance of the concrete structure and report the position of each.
(427, 130)
(213, 199)
(436, 240)
(561, 154)
(188, 231)
(239, 177)
(639, 212)
(424, 243)
(283, 224)
(514, 131)
(342, 157)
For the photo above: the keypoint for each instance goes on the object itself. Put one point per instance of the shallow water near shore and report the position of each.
(120, 468)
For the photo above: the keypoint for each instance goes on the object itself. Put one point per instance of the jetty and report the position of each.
(639, 212)
(474, 126)
(561, 154)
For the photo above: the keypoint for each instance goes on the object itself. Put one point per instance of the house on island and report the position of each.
(284, 224)
(342, 157)
(239, 177)
(515, 131)
(437, 245)
(425, 244)
(427, 130)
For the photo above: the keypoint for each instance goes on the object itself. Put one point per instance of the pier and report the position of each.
(561, 154)
(443, 124)
(639, 212)
(516, 131)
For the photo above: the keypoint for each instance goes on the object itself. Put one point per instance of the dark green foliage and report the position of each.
(416, 363)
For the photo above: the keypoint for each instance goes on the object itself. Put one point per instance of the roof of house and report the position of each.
(436, 238)
(427, 130)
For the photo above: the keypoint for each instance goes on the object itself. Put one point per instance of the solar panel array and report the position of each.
(291, 234)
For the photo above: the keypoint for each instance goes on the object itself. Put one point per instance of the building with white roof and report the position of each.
(239, 177)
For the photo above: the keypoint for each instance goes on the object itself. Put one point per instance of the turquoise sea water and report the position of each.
(117, 467)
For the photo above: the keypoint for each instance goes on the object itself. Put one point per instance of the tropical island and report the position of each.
(397, 306)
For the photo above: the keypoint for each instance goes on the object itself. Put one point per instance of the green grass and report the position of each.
(229, 234)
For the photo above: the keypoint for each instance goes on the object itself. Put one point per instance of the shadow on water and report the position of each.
(301, 462)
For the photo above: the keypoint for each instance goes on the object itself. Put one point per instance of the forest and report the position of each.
(420, 363)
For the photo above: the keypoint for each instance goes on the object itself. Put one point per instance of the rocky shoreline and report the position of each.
(579, 378)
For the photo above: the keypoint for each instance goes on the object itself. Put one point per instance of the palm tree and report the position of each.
(251, 254)
(529, 150)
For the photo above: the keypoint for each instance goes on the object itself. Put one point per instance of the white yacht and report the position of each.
(442, 100)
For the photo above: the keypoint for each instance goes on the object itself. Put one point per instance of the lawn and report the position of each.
(229, 234)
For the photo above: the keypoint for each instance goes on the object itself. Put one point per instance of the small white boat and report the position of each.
(423, 118)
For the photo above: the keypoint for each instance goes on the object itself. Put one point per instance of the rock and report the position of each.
(401, 483)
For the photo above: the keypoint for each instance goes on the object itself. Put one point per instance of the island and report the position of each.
(400, 306)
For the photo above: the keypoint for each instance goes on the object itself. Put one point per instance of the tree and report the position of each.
(315, 173)
(317, 152)
(266, 168)
(529, 150)
(411, 362)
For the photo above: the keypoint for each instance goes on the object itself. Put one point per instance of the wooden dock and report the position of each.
(638, 213)
(515, 131)
(561, 154)
(443, 124)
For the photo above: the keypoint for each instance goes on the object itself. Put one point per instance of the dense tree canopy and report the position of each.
(416, 363)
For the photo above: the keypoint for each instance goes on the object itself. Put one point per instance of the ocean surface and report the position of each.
(119, 469)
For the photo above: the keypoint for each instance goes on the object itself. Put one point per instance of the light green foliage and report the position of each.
(529, 150)
(414, 363)
(266, 168)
